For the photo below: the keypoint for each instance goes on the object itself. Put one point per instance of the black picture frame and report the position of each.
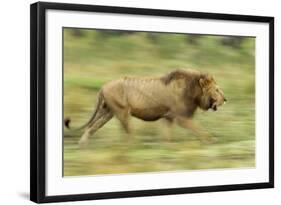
(38, 101)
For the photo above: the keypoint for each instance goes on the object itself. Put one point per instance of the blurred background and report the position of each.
(94, 57)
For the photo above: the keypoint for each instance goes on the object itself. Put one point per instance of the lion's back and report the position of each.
(145, 92)
(139, 92)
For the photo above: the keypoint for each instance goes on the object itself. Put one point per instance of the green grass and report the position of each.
(95, 58)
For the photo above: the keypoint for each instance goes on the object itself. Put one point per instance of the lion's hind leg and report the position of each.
(103, 117)
(123, 115)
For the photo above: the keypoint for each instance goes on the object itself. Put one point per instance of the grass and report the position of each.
(94, 58)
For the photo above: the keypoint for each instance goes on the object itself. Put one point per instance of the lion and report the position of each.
(174, 97)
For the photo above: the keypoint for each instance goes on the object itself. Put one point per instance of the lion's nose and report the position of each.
(225, 99)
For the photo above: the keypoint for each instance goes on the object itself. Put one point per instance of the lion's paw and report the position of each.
(210, 140)
(83, 143)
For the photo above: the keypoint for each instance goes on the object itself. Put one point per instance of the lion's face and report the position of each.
(212, 96)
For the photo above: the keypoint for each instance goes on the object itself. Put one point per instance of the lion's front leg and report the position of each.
(168, 128)
(198, 130)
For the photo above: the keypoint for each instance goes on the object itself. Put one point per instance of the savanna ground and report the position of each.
(92, 58)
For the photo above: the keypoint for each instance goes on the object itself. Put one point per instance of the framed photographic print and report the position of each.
(129, 102)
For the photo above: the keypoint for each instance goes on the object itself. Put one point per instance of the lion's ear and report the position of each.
(205, 80)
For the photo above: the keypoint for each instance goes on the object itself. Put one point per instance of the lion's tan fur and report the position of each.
(175, 95)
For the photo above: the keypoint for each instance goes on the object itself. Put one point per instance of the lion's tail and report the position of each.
(99, 103)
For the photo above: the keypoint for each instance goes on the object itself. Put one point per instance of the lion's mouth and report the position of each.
(214, 107)
(213, 104)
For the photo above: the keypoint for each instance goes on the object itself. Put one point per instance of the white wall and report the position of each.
(14, 100)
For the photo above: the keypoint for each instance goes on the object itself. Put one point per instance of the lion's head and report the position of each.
(200, 90)
(212, 96)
